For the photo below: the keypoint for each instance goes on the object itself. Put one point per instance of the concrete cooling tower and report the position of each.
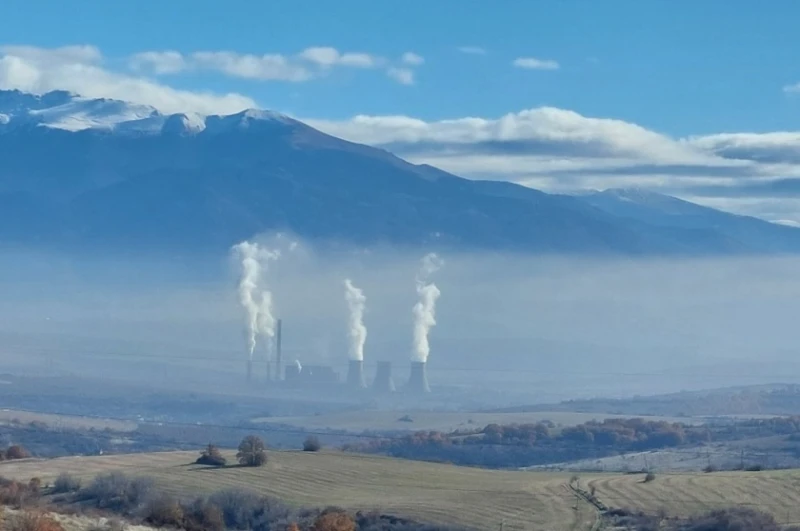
(383, 378)
(418, 381)
(355, 375)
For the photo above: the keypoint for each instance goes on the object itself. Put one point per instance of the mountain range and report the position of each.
(105, 173)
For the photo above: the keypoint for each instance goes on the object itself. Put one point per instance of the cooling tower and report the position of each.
(418, 381)
(355, 374)
(383, 378)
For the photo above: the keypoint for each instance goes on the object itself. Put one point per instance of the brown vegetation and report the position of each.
(211, 456)
(334, 520)
(252, 451)
(31, 521)
(14, 451)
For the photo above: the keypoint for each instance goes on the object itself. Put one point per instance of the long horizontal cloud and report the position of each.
(561, 150)
(305, 65)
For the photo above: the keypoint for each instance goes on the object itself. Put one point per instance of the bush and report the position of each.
(66, 483)
(164, 512)
(17, 452)
(16, 494)
(32, 522)
(242, 509)
(334, 520)
(735, 519)
(649, 477)
(312, 444)
(252, 451)
(202, 515)
(211, 456)
(117, 492)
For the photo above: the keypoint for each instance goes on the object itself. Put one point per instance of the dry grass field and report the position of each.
(447, 421)
(774, 491)
(480, 499)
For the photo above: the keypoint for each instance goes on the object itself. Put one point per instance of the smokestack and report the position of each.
(355, 375)
(278, 351)
(383, 378)
(249, 370)
(418, 381)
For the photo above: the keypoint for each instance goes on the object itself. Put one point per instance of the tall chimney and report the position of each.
(418, 381)
(278, 352)
(249, 370)
(383, 378)
(355, 374)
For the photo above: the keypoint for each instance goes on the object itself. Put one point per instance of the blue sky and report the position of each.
(696, 99)
(680, 68)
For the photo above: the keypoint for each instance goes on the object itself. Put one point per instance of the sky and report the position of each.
(694, 99)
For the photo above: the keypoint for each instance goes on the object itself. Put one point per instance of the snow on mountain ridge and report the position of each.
(71, 112)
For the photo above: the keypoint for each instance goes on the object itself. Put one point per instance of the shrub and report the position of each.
(312, 444)
(734, 519)
(252, 451)
(17, 452)
(334, 520)
(117, 492)
(649, 477)
(66, 483)
(164, 512)
(28, 521)
(710, 468)
(16, 494)
(242, 509)
(211, 456)
(202, 515)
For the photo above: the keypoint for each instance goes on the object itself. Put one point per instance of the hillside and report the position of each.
(109, 174)
(480, 499)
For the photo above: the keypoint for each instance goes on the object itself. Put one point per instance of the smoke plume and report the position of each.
(356, 302)
(425, 309)
(257, 306)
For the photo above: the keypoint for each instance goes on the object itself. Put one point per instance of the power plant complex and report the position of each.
(262, 327)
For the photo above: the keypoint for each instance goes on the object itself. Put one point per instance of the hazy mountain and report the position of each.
(665, 211)
(78, 171)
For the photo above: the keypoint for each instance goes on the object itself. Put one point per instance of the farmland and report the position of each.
(439, 493)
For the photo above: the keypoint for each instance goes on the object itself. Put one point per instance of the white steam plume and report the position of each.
(425, 309)
(258, 312)
(356, 302)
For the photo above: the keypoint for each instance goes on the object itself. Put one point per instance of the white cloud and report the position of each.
(472, 50)
(327, 57)
(532, 63)
(561, 150)
(412, 59)
(268, 67)
(79, 69)
(167, 62)
(404, 76)
(308, 64)
(795, 88)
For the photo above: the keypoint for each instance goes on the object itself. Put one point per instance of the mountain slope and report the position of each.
(661, 210)
(106, 173)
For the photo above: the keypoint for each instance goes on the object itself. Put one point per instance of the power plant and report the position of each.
(355, 375)
(383, 382)
(256, 300)
(418, 380)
